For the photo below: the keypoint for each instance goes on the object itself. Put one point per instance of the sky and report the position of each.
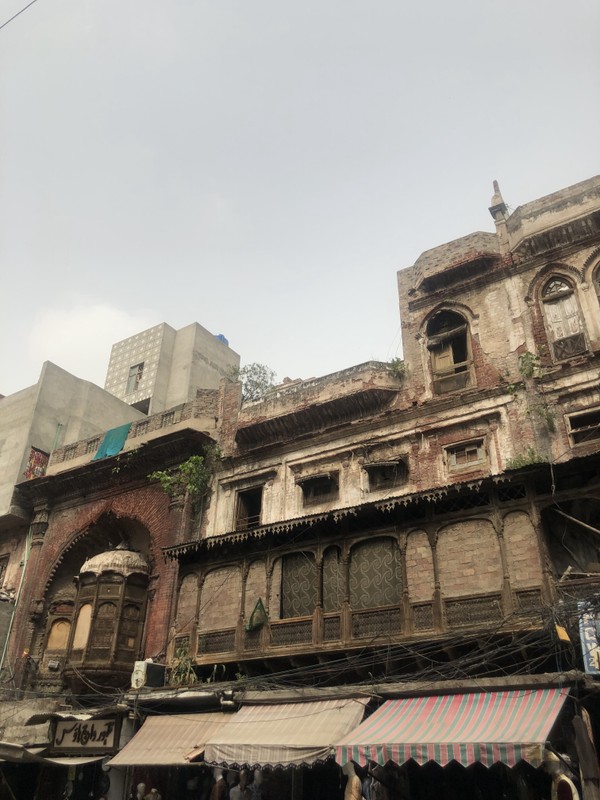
(264, 167)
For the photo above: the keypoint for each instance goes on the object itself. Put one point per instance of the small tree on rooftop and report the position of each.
(256, 380)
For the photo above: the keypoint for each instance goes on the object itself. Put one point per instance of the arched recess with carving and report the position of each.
(419, 567)
(596, 280)
(58, 637)
(375, 575)
(62, 601)
(469, 558)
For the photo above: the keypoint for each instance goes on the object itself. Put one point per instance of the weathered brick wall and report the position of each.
(469, 562)
(256, 587)
(419, 567)
(522, 550)
(220, 599)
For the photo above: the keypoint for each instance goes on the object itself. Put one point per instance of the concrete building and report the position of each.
(424, 533)
(57, 411)
(161, 368)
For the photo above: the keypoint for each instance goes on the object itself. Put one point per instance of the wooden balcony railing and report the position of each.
(347, 628)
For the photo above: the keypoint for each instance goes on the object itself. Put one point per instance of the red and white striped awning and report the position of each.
(481, 727)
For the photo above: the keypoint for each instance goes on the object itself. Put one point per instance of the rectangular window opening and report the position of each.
(249, 508)
(466, 455)
(386, 475)
(135, 377)
(585, 427)
(319, 489)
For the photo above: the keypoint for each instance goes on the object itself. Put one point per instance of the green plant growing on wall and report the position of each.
(182, 673)
(530, 365)
(531, 368)
(397, 368)
(530, 456)
(192, 477)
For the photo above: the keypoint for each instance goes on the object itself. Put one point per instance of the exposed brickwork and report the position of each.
(220, 599)
(468, 555)
(419, 567)
(522, 549)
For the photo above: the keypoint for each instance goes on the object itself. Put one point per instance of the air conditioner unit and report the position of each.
(146, 673)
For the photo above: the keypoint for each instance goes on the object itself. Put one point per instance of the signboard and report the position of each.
(589, 628)
(90, 734)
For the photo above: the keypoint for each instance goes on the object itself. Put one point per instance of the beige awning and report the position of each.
(18, 754)
(167, 740)
(283, 734)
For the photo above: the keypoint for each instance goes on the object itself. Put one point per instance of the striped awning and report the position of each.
(481, 727)
(167, 740)
(283, 734)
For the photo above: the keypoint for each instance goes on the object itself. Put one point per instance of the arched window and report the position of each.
(375, 574)
(298, 585)
(564, 324)
(59, 635)
(449, 345)
(82, 628)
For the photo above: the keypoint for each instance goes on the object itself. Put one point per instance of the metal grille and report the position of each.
(369, 624)
(286, 633)
(569, 346)
(506, 493)
(531, 600)
(474, 611)
(217, 642)
(463, 503)
(182, 645)
(331, 629)
(423, 617)
(252, 640)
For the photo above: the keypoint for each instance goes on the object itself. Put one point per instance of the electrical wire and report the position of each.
(14, 16)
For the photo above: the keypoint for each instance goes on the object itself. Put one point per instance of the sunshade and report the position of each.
(284, 734)
(487, 727)
(166, 740)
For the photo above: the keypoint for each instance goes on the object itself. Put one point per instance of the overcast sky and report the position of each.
(264, 167)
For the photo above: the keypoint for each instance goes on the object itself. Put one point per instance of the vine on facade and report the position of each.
(192, 477)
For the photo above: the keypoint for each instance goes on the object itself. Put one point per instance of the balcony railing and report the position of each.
(359, 627)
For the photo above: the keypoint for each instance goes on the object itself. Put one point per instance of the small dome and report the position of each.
(121, 560)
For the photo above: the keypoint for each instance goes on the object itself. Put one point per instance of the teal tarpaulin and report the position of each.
(113, 442)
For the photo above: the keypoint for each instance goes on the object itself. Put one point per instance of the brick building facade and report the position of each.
(427, 520)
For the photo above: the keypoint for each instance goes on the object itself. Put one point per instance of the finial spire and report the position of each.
(498, 208)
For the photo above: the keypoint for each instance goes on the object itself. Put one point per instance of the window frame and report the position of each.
(399, 478)
(134, 377)
(458, 375)
(557, 297)
(251, 521)
(451, 450)
(308, 484)
(573, 432)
